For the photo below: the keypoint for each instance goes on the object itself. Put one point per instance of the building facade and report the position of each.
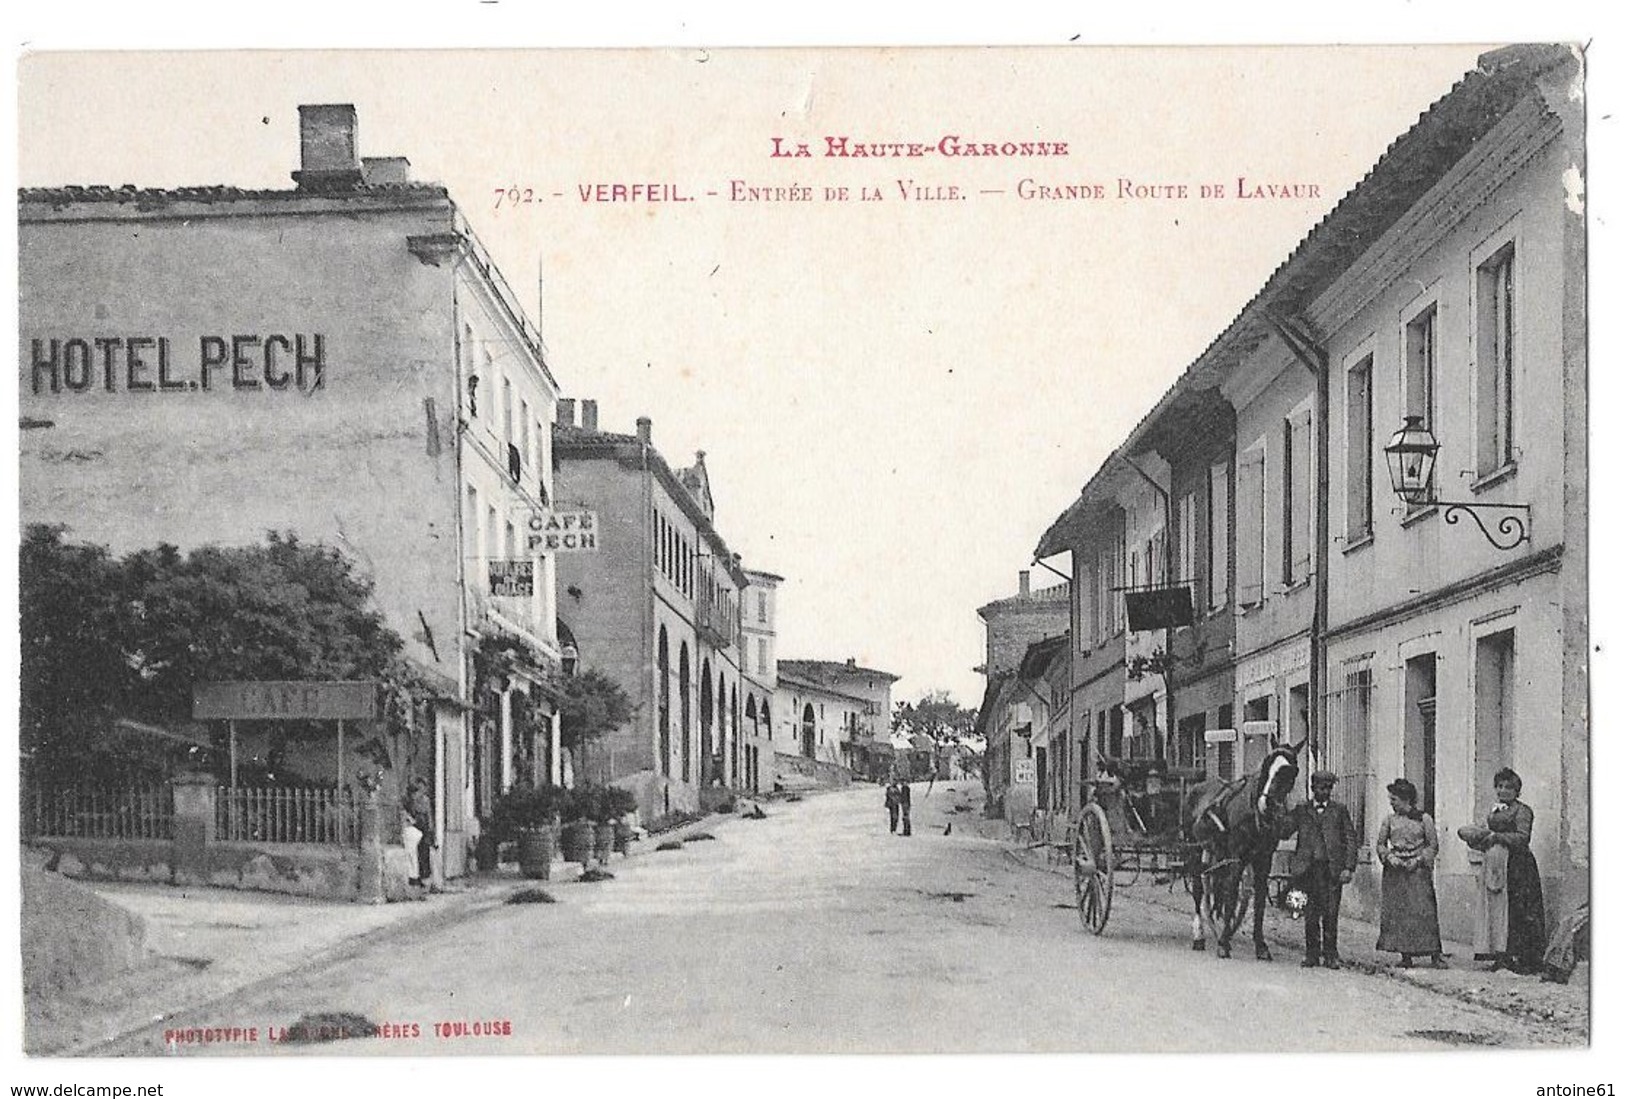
(1428, 640)
(340, 360)
(1006, 717)
(1468, 313)
(834, 711)
(758, 658)
(656, 606)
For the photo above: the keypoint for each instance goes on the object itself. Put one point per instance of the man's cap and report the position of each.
(1322, 776)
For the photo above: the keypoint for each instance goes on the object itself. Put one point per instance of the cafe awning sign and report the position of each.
(285, 700)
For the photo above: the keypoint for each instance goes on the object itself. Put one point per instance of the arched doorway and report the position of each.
(751, 765)
(809, 733)
(663, 717)
(733, 733)
(719, 743)
(685, 717)
(708, 710)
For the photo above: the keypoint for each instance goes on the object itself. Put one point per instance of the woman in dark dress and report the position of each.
(1512, 925)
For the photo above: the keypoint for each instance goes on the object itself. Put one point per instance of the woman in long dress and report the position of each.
(1510, 931)
(1408, 845)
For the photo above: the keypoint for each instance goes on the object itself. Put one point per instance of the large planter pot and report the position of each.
(485, 852)
(623, 836)
(536, 853)
(575, 841)
(603, 841)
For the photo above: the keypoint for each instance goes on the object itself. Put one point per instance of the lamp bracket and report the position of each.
(1511, 529)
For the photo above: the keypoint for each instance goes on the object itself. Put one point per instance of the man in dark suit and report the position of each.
(1328, 850)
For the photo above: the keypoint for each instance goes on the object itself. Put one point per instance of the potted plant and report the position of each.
(576, 836)
(605, 808)
(531, 814)
(623, 806)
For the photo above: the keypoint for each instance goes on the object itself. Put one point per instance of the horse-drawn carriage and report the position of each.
(1130, 826)
(1143, 818)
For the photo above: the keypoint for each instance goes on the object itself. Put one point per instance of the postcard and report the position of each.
(803, 551)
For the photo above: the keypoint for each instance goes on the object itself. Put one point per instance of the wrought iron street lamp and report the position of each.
(1412, 452)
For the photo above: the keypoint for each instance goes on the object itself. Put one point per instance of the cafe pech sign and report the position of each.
(563, 532)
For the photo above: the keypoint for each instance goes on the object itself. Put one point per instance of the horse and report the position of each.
(1235, 826)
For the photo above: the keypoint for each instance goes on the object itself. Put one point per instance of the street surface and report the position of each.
(817, 931)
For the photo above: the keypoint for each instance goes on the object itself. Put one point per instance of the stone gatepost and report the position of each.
(193, 827)
(371, 876)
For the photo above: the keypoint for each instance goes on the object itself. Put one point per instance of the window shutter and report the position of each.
(1250, 527)
(1219, 535)
(1302, 495)
(1358, 451)
(1187, 546)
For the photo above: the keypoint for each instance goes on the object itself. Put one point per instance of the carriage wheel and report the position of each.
(1092, 868)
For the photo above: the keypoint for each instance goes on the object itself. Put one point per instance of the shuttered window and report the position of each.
(1187, 546)
(1358, 451)
(1495, 364)
(1218, 533)
(1250, 527)
(1299, 553)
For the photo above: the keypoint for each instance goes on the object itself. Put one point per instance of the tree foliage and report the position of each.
(590, 704)
(104, 638)
(935, 715)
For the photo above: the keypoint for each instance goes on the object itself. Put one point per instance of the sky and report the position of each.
(895, 396)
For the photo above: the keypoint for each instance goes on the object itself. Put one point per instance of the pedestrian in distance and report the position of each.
(1408, 846)
(1321, 866)
(412, 840)
(906, 803)
(420, 807)
(894, 803)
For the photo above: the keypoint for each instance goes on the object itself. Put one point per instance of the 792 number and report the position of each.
(514, 196)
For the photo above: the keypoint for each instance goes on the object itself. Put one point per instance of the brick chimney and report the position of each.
(566, 414)
(385, 170)
(589, 415)
(645, 429)
(328, 160)
(1025, 581)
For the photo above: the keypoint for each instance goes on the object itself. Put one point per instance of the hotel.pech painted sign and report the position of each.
(158, 364)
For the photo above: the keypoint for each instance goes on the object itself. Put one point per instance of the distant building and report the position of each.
(833, 711)
(1013, 623)
(758, 660)
(1005, 718)
(341, 360)
(657, 607)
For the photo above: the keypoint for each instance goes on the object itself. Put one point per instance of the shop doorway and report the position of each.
(1421, 724)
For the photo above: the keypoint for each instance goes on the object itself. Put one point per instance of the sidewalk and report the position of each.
(207, 945)
(1565, 1006)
